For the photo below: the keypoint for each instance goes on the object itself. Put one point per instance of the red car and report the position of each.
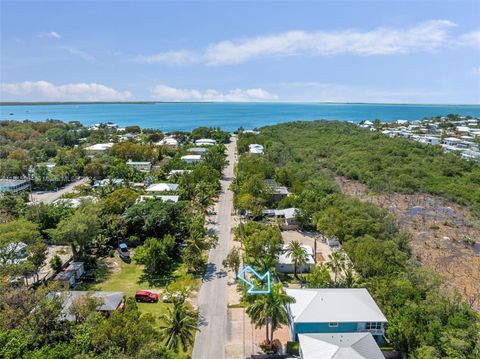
(146, 296)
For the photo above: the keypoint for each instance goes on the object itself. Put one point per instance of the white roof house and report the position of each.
(162, 187)
(99, 147)
(287, 213)
(74, 202)
(339, 346)
(334, 305)
(178, 172)
(285, 261)
(205, 142)
(108, 181)
(173, 199)
(168, 141)
(192, 158)
(255, 148)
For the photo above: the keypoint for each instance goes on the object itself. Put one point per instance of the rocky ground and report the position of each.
(445, 235)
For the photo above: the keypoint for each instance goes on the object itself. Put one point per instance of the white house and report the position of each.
(108, 181)
(205, 142)
(430, 140)
(168, 141)
(334, 310)
(178, 173)
(142, 166)
(144, 198)
(99, 148)
(192, 159)
(157, 188)
(74, 202)
(285, 261)
(256, 148)
(197, 150)
(289, 216)
(339, 346)
(14, 186)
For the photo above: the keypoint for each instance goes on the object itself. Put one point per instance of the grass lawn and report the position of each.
(127, 278)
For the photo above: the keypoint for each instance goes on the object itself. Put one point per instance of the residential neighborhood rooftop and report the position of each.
(339, 346)
(334, 305)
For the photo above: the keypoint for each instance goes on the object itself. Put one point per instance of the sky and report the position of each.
(236, 51)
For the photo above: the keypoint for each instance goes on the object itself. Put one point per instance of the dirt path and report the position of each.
(440, 231)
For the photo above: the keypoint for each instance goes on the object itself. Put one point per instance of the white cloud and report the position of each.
(169, 57)
(476, 70)
(471, 39)
(50, 34)
(43, 90)
(77, 52)
(426, 36)
(167, 93)
(381, 41)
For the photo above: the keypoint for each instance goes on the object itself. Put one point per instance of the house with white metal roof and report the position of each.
(334, 310)
(142, 166)
(192, 159)
(285, 261)
(339, 346)
(99, 147)
(205, 142)
(173, 199)
(255, 148)
(157, 188)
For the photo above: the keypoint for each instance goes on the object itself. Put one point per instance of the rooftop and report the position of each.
(339, 346)
(11, 182)
(162, 187)
(334, 305)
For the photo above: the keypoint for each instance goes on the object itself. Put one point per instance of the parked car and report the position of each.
(146, 296)
(124, 252)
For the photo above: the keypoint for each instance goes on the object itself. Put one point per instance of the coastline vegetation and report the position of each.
(423, 320)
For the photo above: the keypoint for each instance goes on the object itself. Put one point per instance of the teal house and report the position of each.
(335, 310)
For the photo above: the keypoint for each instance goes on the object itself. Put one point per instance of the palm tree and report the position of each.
(336, 263)
(298, 254)
(270, 310)
(179, 327)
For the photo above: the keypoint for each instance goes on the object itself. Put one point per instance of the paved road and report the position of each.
(50, 196)
(212, 302)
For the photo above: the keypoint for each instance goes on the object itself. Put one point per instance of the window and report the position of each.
(333, 325)
(373, 326)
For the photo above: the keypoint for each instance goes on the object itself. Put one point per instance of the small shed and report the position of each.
(76, 268)
(66, 279)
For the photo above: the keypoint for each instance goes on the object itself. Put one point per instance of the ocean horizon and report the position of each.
(184, 116)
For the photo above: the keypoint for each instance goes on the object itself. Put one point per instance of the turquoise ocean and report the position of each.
(228, 116)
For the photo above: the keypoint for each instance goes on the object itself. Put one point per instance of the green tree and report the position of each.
(298, 254)
(270, 310)
(319, 277)
(336, 263)
(233, 260)
(119, 200)
(156, 254)
(178, 327)
(37, 254)
(56, 263)
(79, 230)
